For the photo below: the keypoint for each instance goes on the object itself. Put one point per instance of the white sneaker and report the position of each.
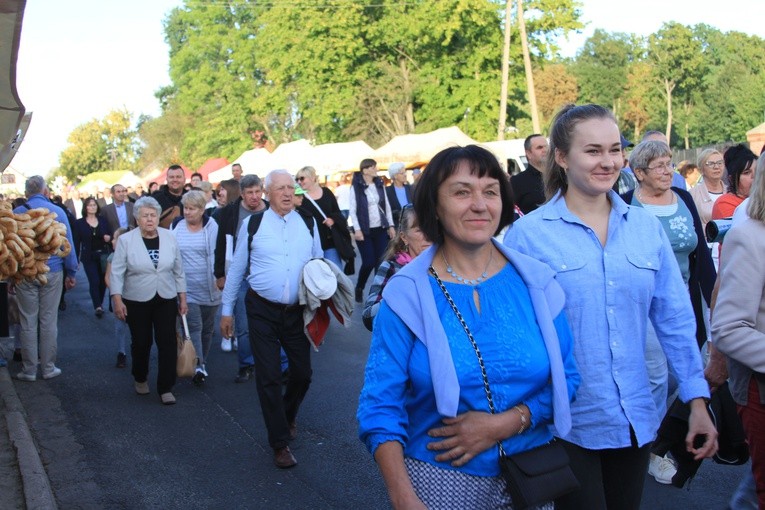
(225, 344)
(53, 373)
(662, 469)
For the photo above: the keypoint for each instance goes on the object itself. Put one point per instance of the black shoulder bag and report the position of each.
(533, 477)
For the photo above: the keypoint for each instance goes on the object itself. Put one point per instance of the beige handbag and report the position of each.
(187, 355)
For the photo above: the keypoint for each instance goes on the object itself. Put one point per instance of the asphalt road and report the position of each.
(104, 447)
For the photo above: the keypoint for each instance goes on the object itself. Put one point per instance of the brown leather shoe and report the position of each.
(283, 458)
(293, 431)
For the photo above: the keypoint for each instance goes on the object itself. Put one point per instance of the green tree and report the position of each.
(555, 87)
(678, 62)
(602, 66)
(99, 145)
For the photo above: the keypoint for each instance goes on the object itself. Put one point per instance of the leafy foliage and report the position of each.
(99, 145)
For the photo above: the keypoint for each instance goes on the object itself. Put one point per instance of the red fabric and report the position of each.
(753, 418)
(725, 206)
(317, 328)
(212, 165)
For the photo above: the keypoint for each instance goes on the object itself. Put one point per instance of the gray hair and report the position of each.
(34, 185)
(250, 181)
(194, 198)
(205, 186)
(396, 168)
(705, 155)
(279, 171)
(645, 152)
(146, 203)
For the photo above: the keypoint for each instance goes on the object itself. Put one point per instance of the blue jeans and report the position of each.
(332, 255)
(122, 335)
(242, 329)
(201, 320)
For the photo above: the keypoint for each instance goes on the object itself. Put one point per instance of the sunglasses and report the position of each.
(301, 178)
(401, 218)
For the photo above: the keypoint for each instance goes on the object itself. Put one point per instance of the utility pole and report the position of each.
(527, 66)
(505, 73)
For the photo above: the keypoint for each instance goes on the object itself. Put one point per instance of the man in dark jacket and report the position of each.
(528, 186)
(169, 197)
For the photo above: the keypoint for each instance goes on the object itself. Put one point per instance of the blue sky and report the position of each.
(79, 59)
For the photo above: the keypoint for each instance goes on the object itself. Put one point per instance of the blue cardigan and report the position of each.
(412, 300)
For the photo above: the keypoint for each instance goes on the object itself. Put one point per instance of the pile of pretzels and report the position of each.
(27, 241)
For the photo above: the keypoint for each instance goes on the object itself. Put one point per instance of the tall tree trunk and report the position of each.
(687, 108)
(527, 67)
(409, 110)
(505, 73)
(669, 87)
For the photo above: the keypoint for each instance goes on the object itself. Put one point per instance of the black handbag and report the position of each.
(341, 236)
(533, 477)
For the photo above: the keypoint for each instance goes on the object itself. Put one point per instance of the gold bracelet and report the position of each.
(524, 422)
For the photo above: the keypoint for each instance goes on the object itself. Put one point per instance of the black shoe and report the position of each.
(121, 360)
(199, 378)
(244, 375)
(17, 355)
(359, 295)
(62, 305)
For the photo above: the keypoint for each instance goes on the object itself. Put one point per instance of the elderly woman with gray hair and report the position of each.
(148, 289)
(196, 234)
(675, 209)
(399, 192)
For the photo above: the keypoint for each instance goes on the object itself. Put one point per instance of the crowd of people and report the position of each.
(570, 305)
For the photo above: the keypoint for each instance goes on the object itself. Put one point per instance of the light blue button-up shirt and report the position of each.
(610, 291)
(280, 249)
(122, 217)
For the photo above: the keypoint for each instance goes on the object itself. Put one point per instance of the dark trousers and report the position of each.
(148, 321)
(272, 328)
(372, 248)
(610, 479)
(95, 274)
(753, 419)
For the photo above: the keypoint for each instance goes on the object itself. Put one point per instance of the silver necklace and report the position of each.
(462, 279)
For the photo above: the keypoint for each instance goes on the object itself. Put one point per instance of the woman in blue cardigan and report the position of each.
(424, 412)
(92, 233)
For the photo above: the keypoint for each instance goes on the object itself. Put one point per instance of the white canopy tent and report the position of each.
(292, 156)
(254, 161)
(331, 158)
(420, 147)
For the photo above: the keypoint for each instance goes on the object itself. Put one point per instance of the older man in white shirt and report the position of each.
(284, 242)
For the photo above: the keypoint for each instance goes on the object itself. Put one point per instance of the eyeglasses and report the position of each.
(662, 167)
(715, 163)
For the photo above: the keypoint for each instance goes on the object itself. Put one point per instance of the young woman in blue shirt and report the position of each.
(617, 269)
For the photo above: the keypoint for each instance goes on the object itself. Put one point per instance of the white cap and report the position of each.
(319, 279)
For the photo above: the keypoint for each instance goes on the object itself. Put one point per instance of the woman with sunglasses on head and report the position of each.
(617, 269)
(408, 243)
(322, 205)
(372, 220)
(471, 353)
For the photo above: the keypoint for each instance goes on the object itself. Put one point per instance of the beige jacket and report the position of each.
(738, 321)
(133, 275)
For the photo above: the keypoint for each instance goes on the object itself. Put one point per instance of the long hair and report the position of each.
(756, 208)
(561, 133)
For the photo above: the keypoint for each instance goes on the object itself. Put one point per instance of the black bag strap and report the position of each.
(253, 224)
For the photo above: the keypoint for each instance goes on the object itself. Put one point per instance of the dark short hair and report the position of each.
(176, 167)
(366, 163)
(441, 167)
(197, 174)
(85, 206)
(527, 141)
(737, 159)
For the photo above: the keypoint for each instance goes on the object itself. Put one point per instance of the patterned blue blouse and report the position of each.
(397, 402)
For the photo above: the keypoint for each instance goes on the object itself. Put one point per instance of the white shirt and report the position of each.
(280, 249)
